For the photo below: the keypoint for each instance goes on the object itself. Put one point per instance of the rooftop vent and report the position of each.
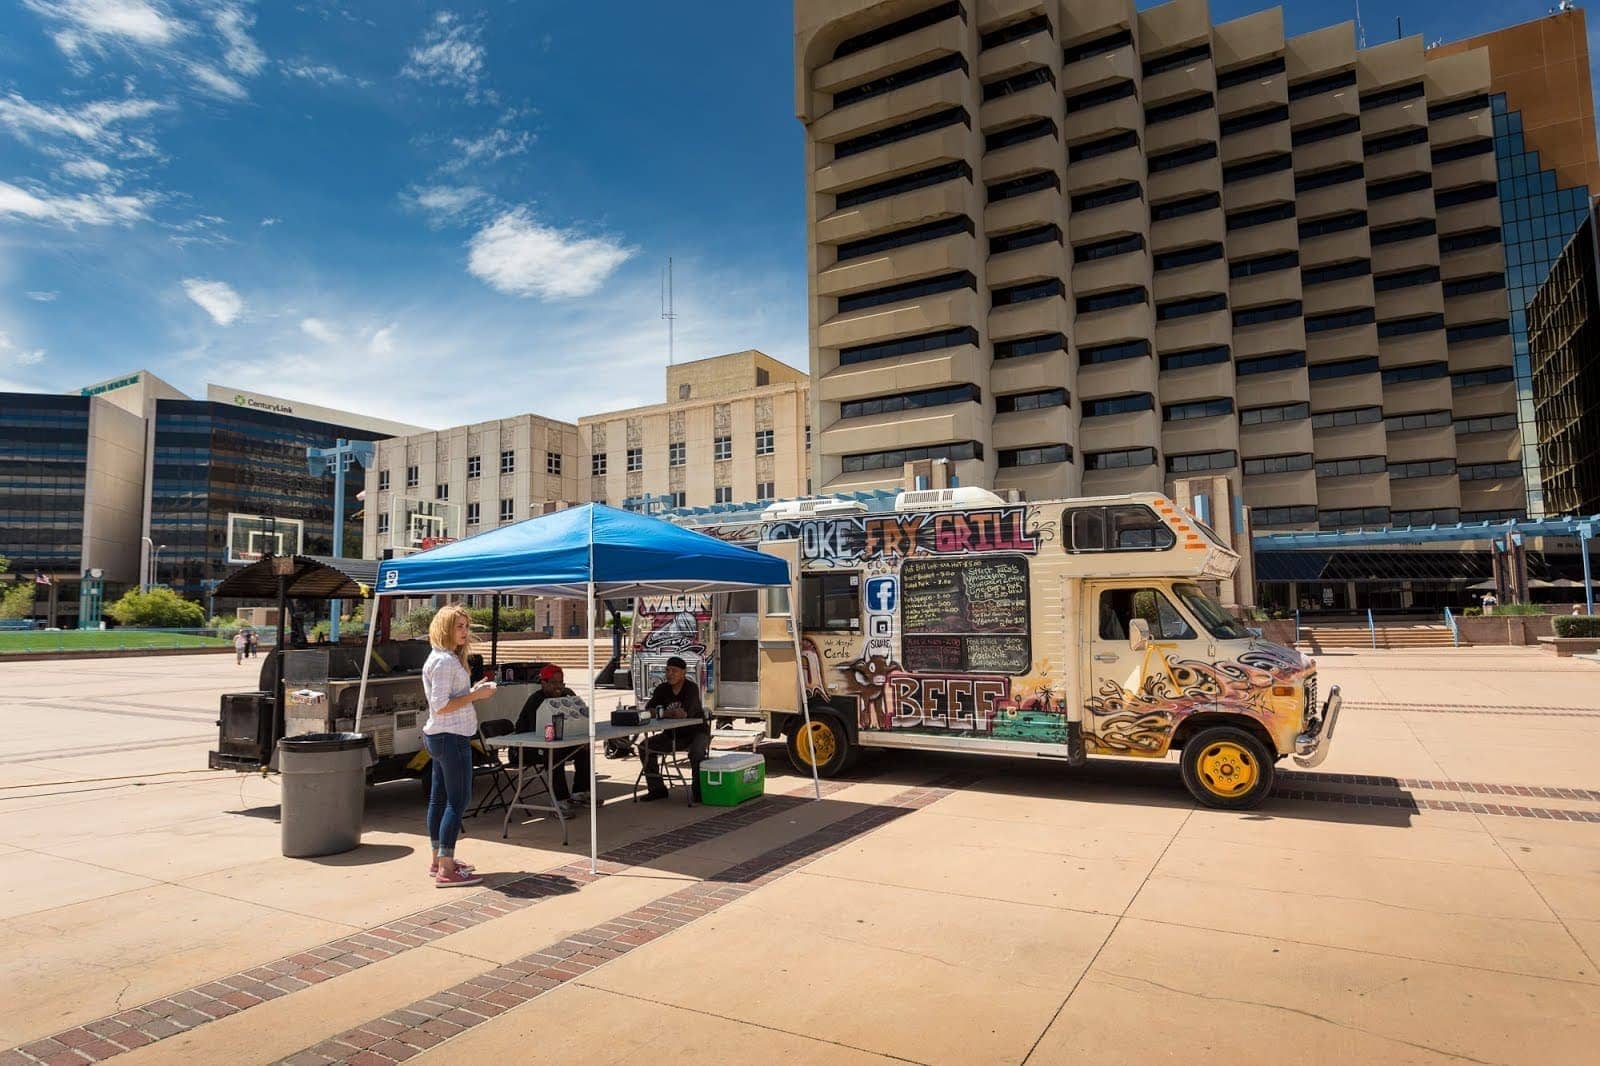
(826, 507)
(957, 499)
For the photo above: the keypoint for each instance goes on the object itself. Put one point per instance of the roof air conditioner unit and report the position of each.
(827, 507)
(957, 499)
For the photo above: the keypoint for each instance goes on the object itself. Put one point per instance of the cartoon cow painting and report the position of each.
(867, 679)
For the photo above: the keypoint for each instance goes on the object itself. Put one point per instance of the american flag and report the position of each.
(41, 579)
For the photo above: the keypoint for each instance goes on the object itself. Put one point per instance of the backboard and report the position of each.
(251, 536)
(422, 524)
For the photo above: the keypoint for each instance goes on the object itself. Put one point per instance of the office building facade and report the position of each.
(1079, 248)
(1564, 344)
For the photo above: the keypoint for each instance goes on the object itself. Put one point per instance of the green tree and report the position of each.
(160, 608)
(17, 602)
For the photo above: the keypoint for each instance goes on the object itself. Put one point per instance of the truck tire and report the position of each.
(829, 740)
(1227, 768)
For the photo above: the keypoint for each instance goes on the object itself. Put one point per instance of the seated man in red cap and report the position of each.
(552, 684)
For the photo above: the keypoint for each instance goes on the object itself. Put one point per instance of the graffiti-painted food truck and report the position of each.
(960, 622)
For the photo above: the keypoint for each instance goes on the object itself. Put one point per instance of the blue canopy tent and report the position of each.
(589, 551)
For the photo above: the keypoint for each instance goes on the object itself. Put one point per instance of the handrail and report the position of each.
(1455, 630)
(1372, 627)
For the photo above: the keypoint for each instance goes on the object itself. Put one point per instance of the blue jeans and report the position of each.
(452, 789)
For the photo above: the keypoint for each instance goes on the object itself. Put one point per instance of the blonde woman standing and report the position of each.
(452, 723)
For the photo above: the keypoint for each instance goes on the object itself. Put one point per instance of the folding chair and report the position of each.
(502, 778)
(670, 764)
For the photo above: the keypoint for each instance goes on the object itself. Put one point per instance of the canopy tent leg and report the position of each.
(494, 633)
(366, 662)
(800, 689)
(594, 820)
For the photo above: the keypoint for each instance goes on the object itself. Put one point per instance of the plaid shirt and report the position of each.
(444, 679)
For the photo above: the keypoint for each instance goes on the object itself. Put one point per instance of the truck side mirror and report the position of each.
(1138, 633)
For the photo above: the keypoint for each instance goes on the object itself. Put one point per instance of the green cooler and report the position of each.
(729, 780)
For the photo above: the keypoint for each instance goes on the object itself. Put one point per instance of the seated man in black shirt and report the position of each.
(552, 684)
(676, 697)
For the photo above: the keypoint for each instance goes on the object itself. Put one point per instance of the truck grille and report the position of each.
(1311, 698)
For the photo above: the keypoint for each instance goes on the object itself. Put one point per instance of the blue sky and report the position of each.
(434, 213)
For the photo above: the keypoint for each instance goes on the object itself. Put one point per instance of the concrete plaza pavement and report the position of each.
(1430, 894)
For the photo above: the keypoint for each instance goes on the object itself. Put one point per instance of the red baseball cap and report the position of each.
(550, 672)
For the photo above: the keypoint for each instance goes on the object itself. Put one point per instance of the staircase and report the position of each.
(1323, 638)
(570, 655)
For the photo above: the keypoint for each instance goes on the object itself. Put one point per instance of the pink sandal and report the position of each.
(433, 867)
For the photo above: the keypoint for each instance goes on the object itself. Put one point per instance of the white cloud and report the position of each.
(517, 255)
(43, 297)
(444, 202)
(270, 221)
(382, 342)
(96, 22)
(320, 73)
(94, 210)
(216, 298)
(214, 81)
(233, 24)
(91, 123)
(490, 148)
(317, 329)
(450, 54)
(30, 358)
(87, 169)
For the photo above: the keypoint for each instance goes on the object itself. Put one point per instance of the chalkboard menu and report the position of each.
(965, 615)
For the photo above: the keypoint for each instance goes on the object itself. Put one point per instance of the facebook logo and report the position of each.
(882, 594)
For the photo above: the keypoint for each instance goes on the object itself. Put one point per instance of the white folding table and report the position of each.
(545, 778)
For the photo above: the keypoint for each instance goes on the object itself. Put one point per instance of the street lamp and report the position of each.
(155, 569)
(144, 571)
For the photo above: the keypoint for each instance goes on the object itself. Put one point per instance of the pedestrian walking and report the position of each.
(252, 643)
(452, 723)
(240, 642)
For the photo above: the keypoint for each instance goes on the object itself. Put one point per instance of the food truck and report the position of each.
(961, 622)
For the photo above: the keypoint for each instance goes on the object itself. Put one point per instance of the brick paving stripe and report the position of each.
(408, 1031)
(191, 1008)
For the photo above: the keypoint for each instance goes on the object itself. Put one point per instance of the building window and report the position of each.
(1354, 416)
(1191, 306)
(1254, 120)
(1015, 349)
(1424, 468)
(853, 464)
(1185, 205)
(722, 448)
(1354, 516)
(508, 510)
(1113, 353)
(1321, 179)
(1267, 364)
(830, 601)
(1490, 471)
(909, 290)
(597, 464)
(383, 523)
(723, 494)
(1039, 456)
(1019, 134)
(1361, 316)
(677, 453)
(900, 79)
(808, 437)
(1032, 290)
(1182, 157)
(676, 500)
(920, 179)
(1193, 357)
(412, 477)
(1259, 216)
(1321, 227)
(1010, 242)
(1018, 30)
(1261, 416)
(683, 392)
(383, 481)
(635, 460)
(1098, 46)
(1486, 424)
(764, 445)
(1279, 464)
(1182, 257)
(1263, 264)
(1371, 464)
(1199, 462)
(1350, 268)
(926, 342)
(1092, 250)
(1030, 401)
(902, 131)
(764, 491)
(1438, 516)
(1119, 405)
(1424, 420)
(1102, 146)
(1028, 183)
(552, 463)
(1253, 316)
(1187, 105)
(1106, 301)
(928, 231)
(1467, 379)
(1272, 517)
(441, 492)
(1119, 460)
(508, 462)
(904, 401)
(1118, 90)
(1344, 368)
(474, 466)
(472, 513)
(1186, 412)
(1415, 372)
(1173, 60)
(1116, 194)
(1325, 84)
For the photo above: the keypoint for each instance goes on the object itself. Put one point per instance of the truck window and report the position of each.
(1121, 528)
(1118, 606)
(830, 601)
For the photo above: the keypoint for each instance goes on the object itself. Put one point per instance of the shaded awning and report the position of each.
(1472, 568)
(315, 577)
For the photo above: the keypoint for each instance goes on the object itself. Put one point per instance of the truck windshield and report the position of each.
(1215, 617)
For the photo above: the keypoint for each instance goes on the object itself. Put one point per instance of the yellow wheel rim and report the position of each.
(1228, 769)
(815, 744)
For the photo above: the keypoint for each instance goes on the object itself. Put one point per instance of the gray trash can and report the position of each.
(324, 792)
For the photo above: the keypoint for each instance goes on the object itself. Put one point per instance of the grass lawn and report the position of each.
(95, 640)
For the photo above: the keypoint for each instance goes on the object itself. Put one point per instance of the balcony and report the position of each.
(1393, 118)
(1333, 152)
(1115, 379)
(1141, 429)
(1410, 349)
(1284, 335)
(1469, 171)
(1258, 191)
(1120, 114)
(928, 313)
(1041, 153)
(1358, 490)
(1415, 445)
(914, 261)
(1481, 353)
(1252, 95)
(1113, 169)
(1041, 101)
(897, 212)
(1115, 324)
(1292, 489)
(1335, 344)
(897, 105)
(1281, 236)
(1412, 300)
(1501, 446)
(1265, 288)
(1473, 262)
(1196, 331)
(1027, 264)
(1051, 481)
(1170, 184)
(1334, 394)
(1404, 208)
(1505, 494)
(927, 370)
(1471, 126)
(1275, 438)
(1043, 206)
(1100, 70)
(1025, 429)
(1270, 390)
(1043, 370)
(1035, 50)
(1049, 315)
(1412, 159)
(907, 429)
(1200, 435)
(1338, 295)
(1097, 275)
(1348, 442)
(1405, 255)
(1196, 383)
(1332, 200)
(930, 42)
(1129, 216)
(1475, 307)
(947, 145)
(1198, 76)
(1180, 132)
(1252, 144)
(1118, 482)
(1424, 493)
(1198, 228)
(1325, 107)
(1405, 397)
(1193, 280)
(1482, 401)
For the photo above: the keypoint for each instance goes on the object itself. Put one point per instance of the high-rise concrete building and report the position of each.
(1564, 345)
(1080, 248)
(733, 428)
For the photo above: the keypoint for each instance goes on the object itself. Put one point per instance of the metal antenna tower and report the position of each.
(1361, 33)
(666, 307)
